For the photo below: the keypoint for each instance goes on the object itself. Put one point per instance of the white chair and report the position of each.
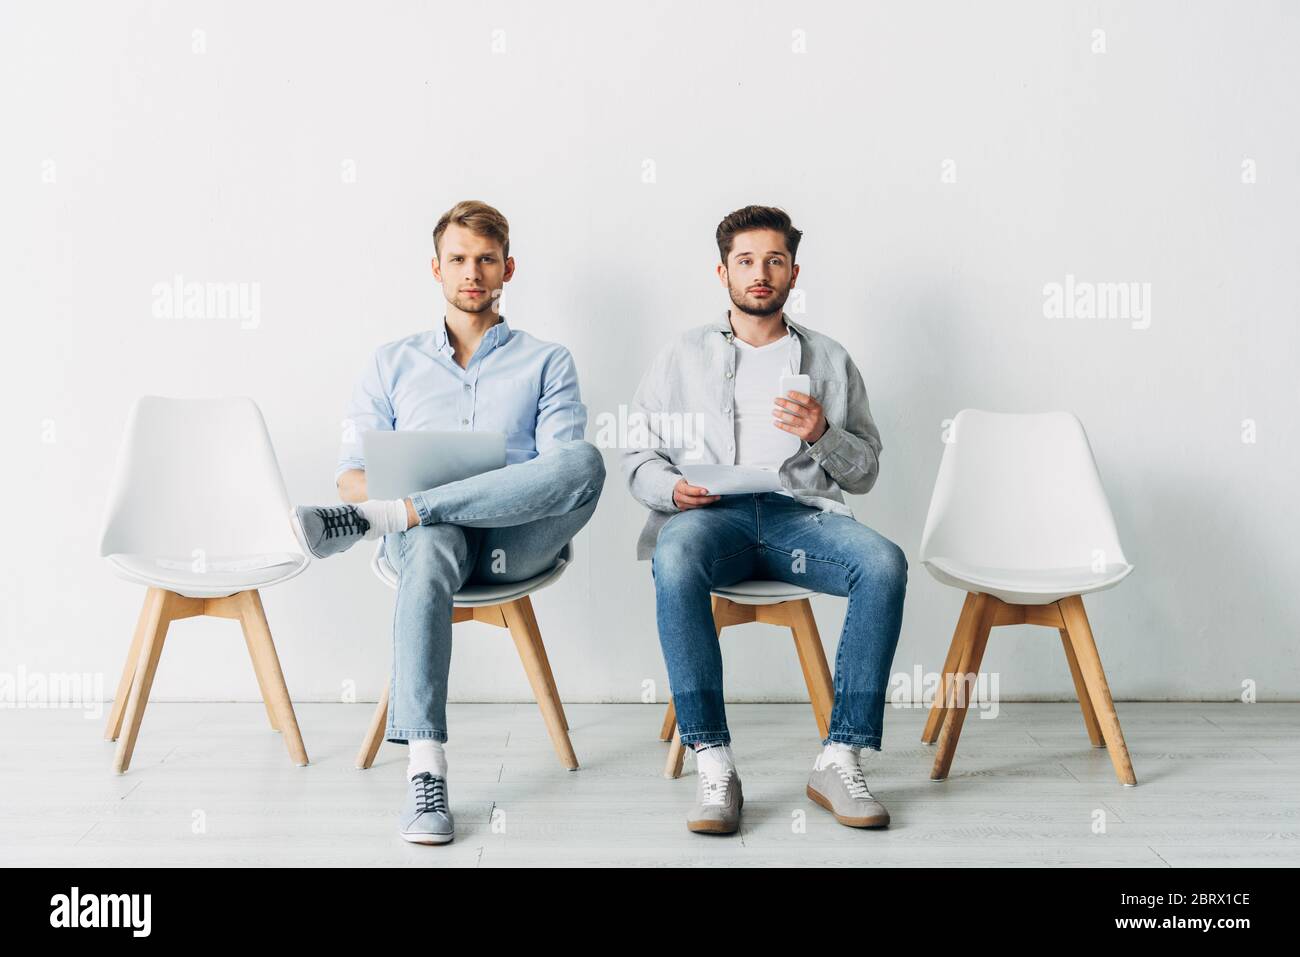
(774, 603)
(1020, 522)
(506, 606)
(198, 514)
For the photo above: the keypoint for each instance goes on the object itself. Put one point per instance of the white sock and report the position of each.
(715, 761)
(837, 752)
(383, 516)
(426, 755)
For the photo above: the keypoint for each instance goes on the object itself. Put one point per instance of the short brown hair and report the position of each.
(478, 218)
(757, 217)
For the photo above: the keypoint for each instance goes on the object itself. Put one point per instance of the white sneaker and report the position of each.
(838, 784)
(718, 796)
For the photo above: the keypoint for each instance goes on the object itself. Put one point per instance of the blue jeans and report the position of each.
(773, 537)
(502, 526)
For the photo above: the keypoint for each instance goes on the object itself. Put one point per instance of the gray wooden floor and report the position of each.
(210, 784)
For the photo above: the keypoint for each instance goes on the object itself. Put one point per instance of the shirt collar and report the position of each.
(723, 325)
(494, 337)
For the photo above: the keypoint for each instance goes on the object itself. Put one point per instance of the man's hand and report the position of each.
(686, 495)
(352, 486)
(800, 414)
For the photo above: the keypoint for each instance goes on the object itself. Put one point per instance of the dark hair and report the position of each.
(756, 217)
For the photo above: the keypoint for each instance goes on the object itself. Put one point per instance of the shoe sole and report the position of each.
(876, 821)
(427, 838)
(716, 827)
(711, 827)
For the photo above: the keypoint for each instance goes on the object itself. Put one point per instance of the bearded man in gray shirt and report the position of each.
(725, 376)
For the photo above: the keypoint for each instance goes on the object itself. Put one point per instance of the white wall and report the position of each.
(226, 165)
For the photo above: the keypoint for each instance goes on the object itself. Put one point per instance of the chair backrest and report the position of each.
(197, 474)
(1020, 491)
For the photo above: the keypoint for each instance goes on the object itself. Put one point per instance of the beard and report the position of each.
(772, 305)
(466, 304)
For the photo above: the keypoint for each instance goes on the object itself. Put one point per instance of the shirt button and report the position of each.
(466, 386)
(727, 410)
(728, 374)
(464, 421)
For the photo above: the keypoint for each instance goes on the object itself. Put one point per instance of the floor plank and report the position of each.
(212, 785)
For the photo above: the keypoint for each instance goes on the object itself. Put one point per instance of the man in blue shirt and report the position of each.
(473, 373)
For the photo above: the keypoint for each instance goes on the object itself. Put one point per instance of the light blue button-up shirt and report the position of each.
(514, 384)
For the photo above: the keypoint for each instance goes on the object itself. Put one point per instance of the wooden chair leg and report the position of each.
(114, 727)
(261, 648)
(676, 755)
(374, 734)
(960, 635)
(550, 681)
(528, 642)
(159, 603)
(959, 690)
(1081, 689)
(1094, 677)
(812, 659)
(670, 722)
(261, 678)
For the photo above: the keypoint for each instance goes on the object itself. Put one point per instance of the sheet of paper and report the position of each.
(731, 479)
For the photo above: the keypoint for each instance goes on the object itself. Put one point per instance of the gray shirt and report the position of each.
(684, 409)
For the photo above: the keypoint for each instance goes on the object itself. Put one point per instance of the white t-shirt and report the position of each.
(758, 383)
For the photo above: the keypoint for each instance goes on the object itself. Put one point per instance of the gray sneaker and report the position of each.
(425, 816)
(717, 804)
(843, 791)
(326, 530)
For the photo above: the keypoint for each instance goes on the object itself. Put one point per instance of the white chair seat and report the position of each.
(762, 592)
(215, 582)
(474, 596)
(1018, 511)
(1021, 586)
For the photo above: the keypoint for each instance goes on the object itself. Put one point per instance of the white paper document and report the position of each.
(731, 479)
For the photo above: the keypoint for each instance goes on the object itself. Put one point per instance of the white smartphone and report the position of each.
(799, 383)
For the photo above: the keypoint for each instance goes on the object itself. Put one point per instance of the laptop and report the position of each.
(399, 463)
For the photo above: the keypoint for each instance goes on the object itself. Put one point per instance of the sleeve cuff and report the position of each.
(827, 445)
(347, 465)
(665, 493)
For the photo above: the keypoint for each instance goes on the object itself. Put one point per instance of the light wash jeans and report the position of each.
(776, 538)
(500, 526)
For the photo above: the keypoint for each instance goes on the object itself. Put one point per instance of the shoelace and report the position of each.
(854, 780)
(431, 794)
(715, 791)
(343, 520)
